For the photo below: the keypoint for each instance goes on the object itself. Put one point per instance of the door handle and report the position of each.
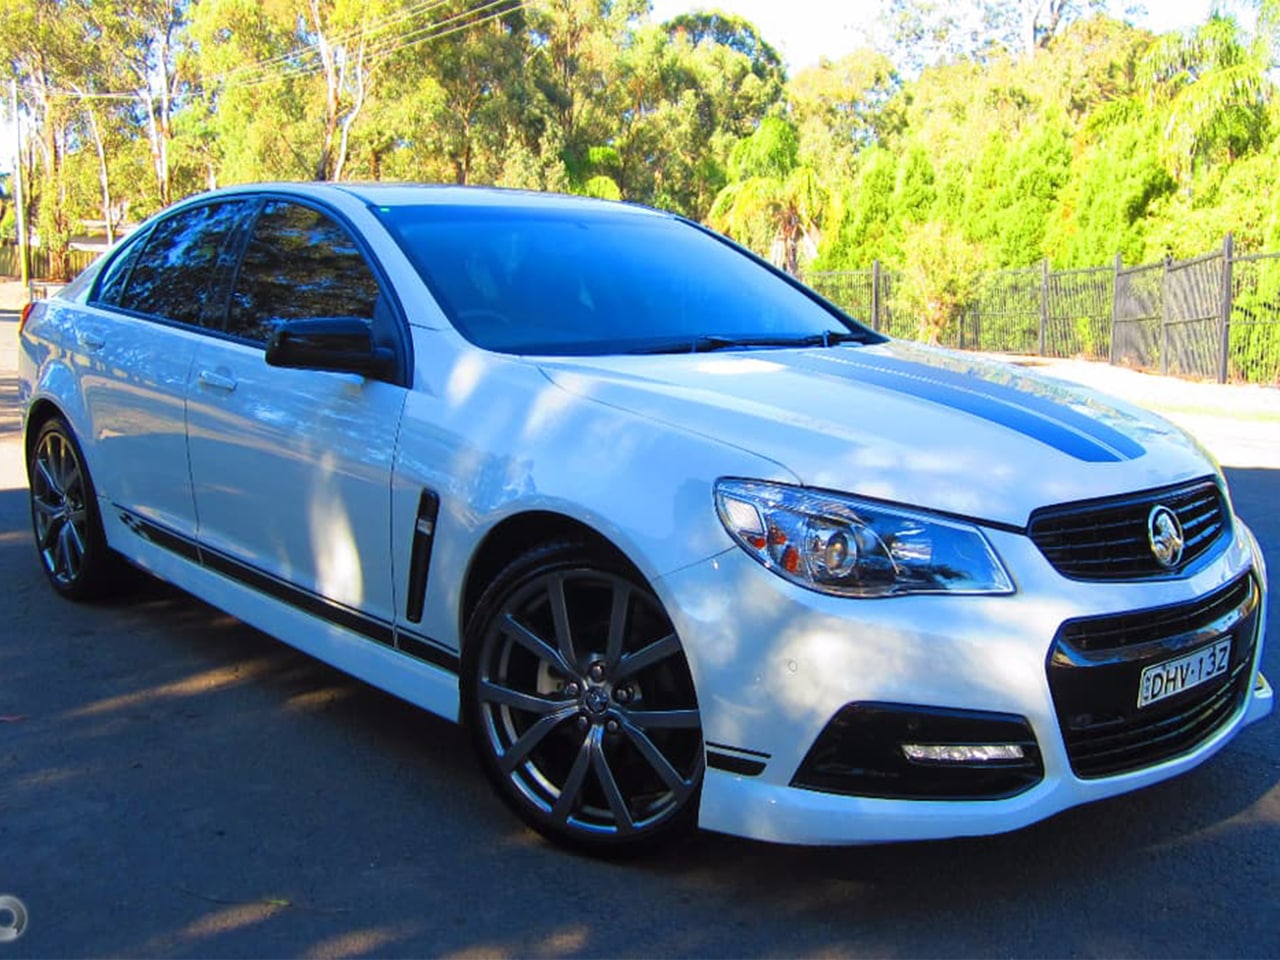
(218, 381)
(91, 339)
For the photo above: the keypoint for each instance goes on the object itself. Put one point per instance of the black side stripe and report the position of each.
(425, 649)
(317, 606)
(372, 628)
(173, 542)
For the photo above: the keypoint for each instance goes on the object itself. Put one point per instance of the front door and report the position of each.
(311, 451)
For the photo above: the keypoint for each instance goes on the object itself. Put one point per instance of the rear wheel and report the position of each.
(64, 515)
(580, 702)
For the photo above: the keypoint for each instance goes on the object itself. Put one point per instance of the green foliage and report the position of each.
(941, 276)
(1105, 207)
(772, 151)
(862, 227)
(603, 187)
(914, 193)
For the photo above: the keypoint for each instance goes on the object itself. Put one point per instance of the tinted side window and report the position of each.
(174, 276)
(111, 287)
(299, 264)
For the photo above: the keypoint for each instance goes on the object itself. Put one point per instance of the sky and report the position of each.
(804, 31)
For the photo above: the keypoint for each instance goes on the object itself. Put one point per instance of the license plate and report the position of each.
(1162, 680)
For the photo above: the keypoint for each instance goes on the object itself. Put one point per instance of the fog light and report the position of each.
(962, 752)
(903, 751)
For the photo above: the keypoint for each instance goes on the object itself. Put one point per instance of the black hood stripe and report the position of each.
(1039, 417)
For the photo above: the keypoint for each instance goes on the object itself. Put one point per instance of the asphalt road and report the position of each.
(174, 783)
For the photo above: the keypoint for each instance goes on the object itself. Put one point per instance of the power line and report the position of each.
(412, 38)
(422, 6)
(441, 29)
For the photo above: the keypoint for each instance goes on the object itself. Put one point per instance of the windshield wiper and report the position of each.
(709, 343)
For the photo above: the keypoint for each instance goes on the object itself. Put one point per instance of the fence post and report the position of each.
(1164, 317)
(1044, 304)
(875, 295)
(1224, 321)
(1115, 307)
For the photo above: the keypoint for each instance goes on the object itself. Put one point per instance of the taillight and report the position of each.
(26, 312)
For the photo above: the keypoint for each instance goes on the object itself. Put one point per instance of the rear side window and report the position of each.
(175, 274)
(299, 264)
(111, 287)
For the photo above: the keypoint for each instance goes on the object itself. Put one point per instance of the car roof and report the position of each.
(423, 194)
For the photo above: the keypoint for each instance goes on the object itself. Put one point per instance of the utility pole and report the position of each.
(20, 207)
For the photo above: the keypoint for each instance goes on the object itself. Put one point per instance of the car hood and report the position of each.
(903, 422)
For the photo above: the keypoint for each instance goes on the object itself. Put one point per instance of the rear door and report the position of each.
(292, 468)
(137, 339)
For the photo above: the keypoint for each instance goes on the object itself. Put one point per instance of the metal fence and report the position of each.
(1216, 316)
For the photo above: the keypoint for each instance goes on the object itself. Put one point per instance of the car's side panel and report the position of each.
(130, 377)
(315, 450)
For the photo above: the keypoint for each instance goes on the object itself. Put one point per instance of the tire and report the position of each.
(580, 703)
(69, 540)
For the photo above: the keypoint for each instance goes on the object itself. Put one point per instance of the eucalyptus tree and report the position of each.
(692, 87)
(44, 46)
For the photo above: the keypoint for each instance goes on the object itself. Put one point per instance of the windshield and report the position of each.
(582, 281)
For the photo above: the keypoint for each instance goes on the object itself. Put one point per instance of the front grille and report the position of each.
(1109, 539)
(1152, 626)
(1095, 669)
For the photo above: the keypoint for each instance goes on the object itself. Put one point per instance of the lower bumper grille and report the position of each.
(860, 753)
(1095, 673)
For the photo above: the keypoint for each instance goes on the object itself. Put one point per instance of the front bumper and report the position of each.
(774, 663)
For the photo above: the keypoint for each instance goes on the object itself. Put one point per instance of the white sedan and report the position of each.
(675, 538)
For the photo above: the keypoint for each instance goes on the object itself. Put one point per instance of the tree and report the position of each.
(771, 198)
(1214, 86)
(843, 107)
(941, 276)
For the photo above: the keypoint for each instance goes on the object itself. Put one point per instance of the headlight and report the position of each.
(856, 548)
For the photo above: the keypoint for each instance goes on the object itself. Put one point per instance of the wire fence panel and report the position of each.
(853, 291)
(1215, 316)
(1006, 316)
(1138, 316)
(1253, 348)
(1078, 316)
(1192, 317)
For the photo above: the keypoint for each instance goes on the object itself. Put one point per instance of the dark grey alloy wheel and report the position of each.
(581, 704)
(64, 515)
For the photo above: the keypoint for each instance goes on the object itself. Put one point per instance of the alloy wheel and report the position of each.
(586, 707)
(59, 504)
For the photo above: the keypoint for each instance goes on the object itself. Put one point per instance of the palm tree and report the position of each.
(1213, 83)
(764, 212)
(773, 201)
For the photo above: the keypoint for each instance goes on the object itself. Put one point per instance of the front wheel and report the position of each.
(581, 704)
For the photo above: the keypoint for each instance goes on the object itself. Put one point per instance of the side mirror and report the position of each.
(337, 344)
